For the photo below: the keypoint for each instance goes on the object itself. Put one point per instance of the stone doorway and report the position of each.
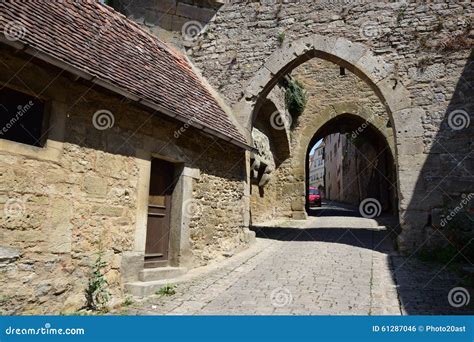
(162, 184)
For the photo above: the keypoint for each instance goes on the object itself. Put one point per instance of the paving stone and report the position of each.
(317, 275)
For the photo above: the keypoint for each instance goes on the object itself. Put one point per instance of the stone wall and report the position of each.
(174, 21)
(417, 55)
(83, 192)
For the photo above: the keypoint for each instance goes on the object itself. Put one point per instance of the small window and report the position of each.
(21, 117)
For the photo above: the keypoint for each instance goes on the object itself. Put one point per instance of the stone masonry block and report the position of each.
(395, 94)
(95, 186)
(349, 51)
(324, 43)
(409, 122)
(374, 67)
(59, 232)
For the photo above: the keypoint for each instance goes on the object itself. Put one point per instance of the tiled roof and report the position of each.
(95, 39)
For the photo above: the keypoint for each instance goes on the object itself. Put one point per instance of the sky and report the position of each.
(315, 147)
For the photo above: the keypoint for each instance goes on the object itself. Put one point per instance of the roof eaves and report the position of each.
(87, 76)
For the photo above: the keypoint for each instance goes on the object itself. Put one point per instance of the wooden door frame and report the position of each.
(180, 244)
(175, 212)
(168, 174)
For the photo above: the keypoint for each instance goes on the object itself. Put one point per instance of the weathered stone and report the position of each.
(8, 254)
(59, 231)
(404, 90)
(107, 211)
(73, 303)
(95, 186)
(348, 51)
(409, 123)
(299, 215)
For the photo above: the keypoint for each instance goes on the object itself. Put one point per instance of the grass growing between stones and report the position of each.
(128, 301)
(167, 290)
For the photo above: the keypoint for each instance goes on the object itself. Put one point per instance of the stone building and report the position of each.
(111, 144)
(317, 168)
(334, 172)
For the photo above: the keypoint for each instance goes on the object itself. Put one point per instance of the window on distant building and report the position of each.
(21, 117)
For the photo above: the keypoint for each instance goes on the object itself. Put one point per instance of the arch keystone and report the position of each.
(323, 43)
(348, 51)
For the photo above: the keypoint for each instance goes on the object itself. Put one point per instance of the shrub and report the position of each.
(296, 97)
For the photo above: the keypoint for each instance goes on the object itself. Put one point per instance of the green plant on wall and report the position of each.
(296, 97)
(281, 38)
(96, 293)
(401, 14)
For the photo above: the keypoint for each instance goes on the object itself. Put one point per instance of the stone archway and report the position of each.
(366, 118)
(367, 150)
(405, 119)
(334, 111)
(356, 57)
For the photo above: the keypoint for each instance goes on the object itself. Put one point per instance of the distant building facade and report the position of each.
(354, 171)
(316, 168)
(333, 163)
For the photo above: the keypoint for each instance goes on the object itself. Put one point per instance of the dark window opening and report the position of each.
(21, 117)
(342, 71)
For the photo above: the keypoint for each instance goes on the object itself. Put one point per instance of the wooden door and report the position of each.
(159, 209)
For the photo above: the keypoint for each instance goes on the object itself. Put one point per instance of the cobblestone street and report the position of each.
(312, 271)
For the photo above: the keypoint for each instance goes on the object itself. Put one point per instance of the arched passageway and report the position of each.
(399, 123)
(348, 160)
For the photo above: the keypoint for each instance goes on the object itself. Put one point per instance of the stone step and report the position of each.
(161, 273)
(147, 288)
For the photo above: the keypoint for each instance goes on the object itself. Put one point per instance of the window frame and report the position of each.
(45, 123)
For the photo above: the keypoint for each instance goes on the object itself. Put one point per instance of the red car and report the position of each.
(314, 196)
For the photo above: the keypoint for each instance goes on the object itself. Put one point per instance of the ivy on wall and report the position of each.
(296, 97)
